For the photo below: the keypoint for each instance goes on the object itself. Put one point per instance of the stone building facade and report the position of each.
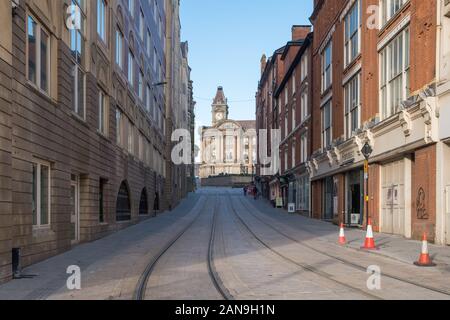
(83, 138)
(228, 147)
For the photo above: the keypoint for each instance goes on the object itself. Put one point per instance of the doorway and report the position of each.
(328, 199)
(355, 198)
(393, 198)
(156, 203)
(74, 210)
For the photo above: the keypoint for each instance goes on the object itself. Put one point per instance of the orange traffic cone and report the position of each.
(424, 259)
(342, 239)
(369, 244)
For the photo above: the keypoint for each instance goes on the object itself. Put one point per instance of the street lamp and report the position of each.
(366, 151)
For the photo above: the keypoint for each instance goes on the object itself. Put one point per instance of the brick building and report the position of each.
(379, 77)
(443, 105)
(375, 83)
(266, 123)
(83, 139)
(283, 102)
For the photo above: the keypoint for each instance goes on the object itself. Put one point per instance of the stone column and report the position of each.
(220, 149)
(203, 148)
(224, 148)
(235, 149)
(239, 147)
(250, 154)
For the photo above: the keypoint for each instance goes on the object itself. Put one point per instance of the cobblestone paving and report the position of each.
(259, 253)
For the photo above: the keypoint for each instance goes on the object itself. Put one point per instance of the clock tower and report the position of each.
(219, 107)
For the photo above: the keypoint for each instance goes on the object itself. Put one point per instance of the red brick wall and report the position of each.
(374, 195)
(423, 193)
(423, 42)
(341, 197)
(327, 16)
(300, 32)
(316, 201)
(369, 72)
(338, 92)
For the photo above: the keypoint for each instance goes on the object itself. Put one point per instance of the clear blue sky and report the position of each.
(226, 42)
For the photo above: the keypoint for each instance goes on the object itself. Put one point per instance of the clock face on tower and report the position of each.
(219, 116)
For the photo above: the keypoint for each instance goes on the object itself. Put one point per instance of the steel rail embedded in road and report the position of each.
(211, 267)
(143, 280)
(342, 260)
(304, 266)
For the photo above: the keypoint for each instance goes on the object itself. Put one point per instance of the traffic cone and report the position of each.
(342, 239)
(424, 259)
(369, 244)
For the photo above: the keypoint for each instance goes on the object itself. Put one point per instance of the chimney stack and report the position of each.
(300, 32)
(263, 63)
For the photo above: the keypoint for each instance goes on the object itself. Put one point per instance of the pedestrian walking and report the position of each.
(245, 191)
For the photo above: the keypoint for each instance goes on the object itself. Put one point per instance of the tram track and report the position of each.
(340, 259)
(141, 286)
(303, 266)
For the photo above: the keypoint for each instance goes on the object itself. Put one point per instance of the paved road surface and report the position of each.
(218, 244)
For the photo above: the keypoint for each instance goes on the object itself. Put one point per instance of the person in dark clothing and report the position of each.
(245, 191)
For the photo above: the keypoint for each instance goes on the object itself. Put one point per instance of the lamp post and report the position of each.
(366, 151)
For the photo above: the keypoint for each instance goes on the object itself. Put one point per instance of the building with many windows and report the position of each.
(283, 103)
(379, 79)
(267, 124)
(228, 147)
(83, 143)
(292, 102)
(376, 86)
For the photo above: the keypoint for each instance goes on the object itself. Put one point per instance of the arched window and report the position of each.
(123, 207)
(143, 204)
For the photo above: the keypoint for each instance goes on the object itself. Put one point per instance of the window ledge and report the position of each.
(349, 66)
(40, 92)
(79, 119)
(124, 222)
(394, 18)
(103, 135)
(42, 231)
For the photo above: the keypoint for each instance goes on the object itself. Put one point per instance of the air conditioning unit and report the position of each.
(447, 8)
(291, 207)
(355, 218)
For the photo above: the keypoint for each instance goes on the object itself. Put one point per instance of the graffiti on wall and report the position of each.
(421, 209)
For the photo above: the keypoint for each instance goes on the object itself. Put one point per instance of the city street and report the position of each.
(219, 244)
